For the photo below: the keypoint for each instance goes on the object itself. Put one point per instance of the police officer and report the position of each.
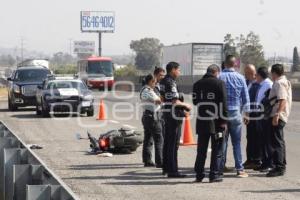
(151, 122)
(173, 112)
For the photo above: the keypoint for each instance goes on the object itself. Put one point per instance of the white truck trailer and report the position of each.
(35, 62)
(194, 58)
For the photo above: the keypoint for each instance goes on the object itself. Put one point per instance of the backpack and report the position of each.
(267, 104)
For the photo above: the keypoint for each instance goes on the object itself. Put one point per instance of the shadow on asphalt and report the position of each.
(105, 166)
(34, 116)
(273, 191)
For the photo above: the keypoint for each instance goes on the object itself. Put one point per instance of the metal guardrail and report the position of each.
(23, 175)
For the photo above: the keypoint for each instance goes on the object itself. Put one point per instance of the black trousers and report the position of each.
(152, 134)
(264, 129)
(216, 155)
(253, 148)
(278, 154)
(171, 143)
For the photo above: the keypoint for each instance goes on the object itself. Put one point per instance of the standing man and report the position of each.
(207, 91)
(237, 98)
(159, 74)
(262, 124)
(283, 91)
(173, 113)
(253, 146)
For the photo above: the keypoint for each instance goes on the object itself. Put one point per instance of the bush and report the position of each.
(129, 70)
(64, 69)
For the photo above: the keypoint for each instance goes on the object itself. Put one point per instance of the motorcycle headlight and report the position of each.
(88, 97)
(16, 89)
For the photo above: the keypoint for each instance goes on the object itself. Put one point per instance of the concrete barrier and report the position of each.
(24, 175)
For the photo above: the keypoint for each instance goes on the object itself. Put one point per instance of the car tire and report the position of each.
(11, 106)
(38, 112)
(90, 112)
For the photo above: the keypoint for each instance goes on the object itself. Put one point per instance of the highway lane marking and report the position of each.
(114, 122)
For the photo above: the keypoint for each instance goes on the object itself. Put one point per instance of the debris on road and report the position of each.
(34, 146)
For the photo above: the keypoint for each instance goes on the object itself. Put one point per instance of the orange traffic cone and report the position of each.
(187, 133)
(101, 115)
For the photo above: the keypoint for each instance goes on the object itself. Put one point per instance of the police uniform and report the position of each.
(172, 125)
(152, 127)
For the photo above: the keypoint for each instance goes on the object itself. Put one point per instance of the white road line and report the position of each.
(114, 122)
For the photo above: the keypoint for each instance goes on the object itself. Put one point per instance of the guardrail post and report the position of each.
(24, 175)
(38, 192)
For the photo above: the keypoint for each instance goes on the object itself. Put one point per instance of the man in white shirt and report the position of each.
(262, 125)
(282, 90)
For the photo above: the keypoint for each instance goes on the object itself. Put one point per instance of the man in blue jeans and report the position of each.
(237, 99)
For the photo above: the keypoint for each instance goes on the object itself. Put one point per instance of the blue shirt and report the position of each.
(237, 90)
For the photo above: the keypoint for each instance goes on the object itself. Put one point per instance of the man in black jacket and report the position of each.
(209, 95)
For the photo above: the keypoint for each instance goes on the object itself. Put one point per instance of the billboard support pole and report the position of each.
(100, 43)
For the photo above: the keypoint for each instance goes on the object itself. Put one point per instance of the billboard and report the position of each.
(84, 47)
(97, 21)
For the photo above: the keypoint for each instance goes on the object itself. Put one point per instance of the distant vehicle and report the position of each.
(194, 58)
(22, 86)
(64, 94)
(97, 72)
(34, 62)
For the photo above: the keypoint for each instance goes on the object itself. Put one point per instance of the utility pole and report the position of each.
(70, 40)
(22, 49)
(100, 44)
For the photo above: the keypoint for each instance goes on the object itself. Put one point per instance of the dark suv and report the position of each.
(22, 86)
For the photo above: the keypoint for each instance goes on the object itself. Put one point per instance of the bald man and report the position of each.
(253, 148)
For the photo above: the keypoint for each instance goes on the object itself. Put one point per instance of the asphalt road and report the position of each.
(123, 176)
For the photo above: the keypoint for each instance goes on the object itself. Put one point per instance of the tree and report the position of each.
(229, 46)
(296, 61)
(7, 60)
(248, 49)
(148, 51)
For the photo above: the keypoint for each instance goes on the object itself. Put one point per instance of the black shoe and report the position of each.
(199, 178)
(251, 164)
(266, 169)
(262, 169)
(275, 173)
(216, 180)
(149, 164)
(176, 175)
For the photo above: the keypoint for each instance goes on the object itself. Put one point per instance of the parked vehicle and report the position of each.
(22, 86)
(64, 94)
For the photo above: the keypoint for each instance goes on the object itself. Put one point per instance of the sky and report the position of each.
(49, 25)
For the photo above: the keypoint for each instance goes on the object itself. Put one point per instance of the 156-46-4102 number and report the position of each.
(97, 22)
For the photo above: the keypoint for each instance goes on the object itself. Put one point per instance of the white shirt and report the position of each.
(264, 86)
(148, 98)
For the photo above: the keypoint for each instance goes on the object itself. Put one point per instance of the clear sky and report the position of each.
(48, 25)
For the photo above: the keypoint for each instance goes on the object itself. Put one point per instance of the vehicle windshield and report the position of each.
(34, 75)
(66, 84)
(100, 67)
